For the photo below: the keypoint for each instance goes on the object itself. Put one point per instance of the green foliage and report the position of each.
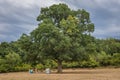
(108, 60)
(23, 67)
(116, 59)
(71, 64)
(40, 67)
(4, 49)
(50, 64)
(110, 46)
(54, 12)
(8, 63)
(3, 66)
(89, 64)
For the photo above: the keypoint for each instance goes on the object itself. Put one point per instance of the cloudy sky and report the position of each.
(19, 16)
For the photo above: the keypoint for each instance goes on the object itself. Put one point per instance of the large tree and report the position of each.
(60, 32)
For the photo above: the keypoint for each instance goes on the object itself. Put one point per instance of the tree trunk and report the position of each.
(59, 66)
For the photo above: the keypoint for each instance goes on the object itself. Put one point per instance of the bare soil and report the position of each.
(68, 74)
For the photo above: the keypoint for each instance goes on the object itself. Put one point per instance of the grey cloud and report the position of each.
(11, 34)
(104, 14)
(16, 21)
(19, 17)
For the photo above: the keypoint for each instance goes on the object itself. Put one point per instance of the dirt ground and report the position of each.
(69, 74)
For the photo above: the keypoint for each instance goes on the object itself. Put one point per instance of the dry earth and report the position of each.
(70, 74)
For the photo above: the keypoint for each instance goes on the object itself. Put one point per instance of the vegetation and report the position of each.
(62, 39)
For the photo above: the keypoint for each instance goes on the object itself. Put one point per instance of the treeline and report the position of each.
(62, 40)
(14, 56)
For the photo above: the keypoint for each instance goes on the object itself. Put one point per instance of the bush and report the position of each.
(104, 59)
(106, 62)
(3, 68)
(115, 61)
(50, 64)
(40, 67)
(71, 65)
(23, 67)
(89, 64)
(8, 63)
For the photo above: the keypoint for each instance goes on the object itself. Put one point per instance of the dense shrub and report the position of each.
(3, 66)
(8, 63)
(40, 67)
(23, 67)
(50, 64)
(115, 61)
(91, 63)
(109, 60)
(71, 64)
